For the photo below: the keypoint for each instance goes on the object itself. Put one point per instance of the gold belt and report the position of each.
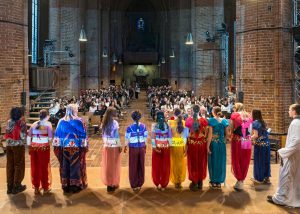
(177, 142)
(190, 141)
(261, 143)
(39, 148)
(236, 138)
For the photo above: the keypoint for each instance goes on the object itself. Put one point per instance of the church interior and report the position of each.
(54, 52)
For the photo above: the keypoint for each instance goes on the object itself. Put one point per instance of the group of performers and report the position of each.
(199, 141)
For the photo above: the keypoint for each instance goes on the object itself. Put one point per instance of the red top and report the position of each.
(15, 133)
(190, 124)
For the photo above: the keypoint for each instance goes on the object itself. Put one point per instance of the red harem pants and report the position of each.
(40, 167)
(161, 167)
(137, 166)
(240, 158)
(197, 159)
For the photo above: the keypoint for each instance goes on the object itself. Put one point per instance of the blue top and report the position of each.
(218, 128)
(136, 135)
(70, 134)
(263, 135)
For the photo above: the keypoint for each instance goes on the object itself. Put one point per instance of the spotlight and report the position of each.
(209, 38)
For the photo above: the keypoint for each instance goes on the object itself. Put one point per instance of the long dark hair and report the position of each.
(108, 120)
(16, 114)
(256, 115)
(160, 119)
(196, 123)
(180, 127)
(136, 116)
(43, 115)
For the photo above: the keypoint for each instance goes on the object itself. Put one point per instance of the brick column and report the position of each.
(13, 55)
(265, 58)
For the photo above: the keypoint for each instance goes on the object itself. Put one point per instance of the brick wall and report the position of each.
(265, 58)
(13, 55)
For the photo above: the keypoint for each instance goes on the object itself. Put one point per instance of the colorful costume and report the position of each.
(161, 159)
(262, 168)
(111, 158)
(178, 160)
(136, 136)
(38, 140)
(197, 150)
(217, 158)
(70, 147)
(15, 153)
(240, 146)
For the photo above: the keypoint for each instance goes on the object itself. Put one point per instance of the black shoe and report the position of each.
(200, 184)
(10, 188)
(66, 189)
(110, 189)
(75, 189)
(18, 188)
(193, 187)
(270, 199)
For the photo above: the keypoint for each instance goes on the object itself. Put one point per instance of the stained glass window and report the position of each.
(140, 24)
(34, 37)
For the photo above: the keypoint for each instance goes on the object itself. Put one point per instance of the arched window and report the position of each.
(140, 24)
(34, 35)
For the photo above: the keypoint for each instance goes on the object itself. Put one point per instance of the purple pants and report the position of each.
(137, 166)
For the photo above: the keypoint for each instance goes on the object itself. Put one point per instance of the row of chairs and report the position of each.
(92, 121)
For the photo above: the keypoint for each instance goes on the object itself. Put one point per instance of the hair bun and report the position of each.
(196, 108)
(136, 115)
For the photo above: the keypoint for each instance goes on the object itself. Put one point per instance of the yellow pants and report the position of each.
(178, 164)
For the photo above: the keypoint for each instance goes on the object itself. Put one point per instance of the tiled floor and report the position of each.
(148, 200)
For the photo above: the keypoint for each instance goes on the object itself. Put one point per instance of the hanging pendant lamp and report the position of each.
(104, 53)
(172, 53)
(82, 37)
(189, 39)
(114, 58)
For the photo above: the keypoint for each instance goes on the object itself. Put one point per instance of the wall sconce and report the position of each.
(209, 38)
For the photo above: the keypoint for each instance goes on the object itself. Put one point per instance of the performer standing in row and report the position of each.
(216, 147)
(136, 139)
(262, 167)
(38, 139)
(111, 152)
(160, 139)
(15, 151)
(197, 149)
(178, 149)
(240, 144)
(70, 147)
(289, 186)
